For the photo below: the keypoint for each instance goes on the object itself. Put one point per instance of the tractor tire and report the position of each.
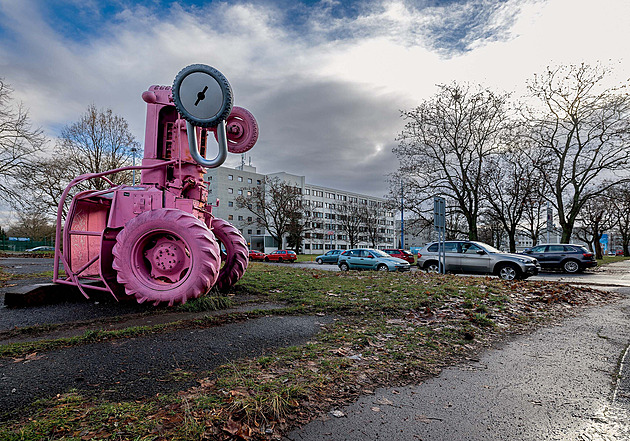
(236, 256)
(242, 130)
(166, 255)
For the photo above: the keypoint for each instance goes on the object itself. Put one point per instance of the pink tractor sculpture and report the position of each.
(158, 241)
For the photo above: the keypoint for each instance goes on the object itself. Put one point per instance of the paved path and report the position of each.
(559, 383)
(140, 367)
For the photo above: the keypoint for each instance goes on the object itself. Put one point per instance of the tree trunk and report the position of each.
(512, 240)
(472, 229)
(567, 231)
(597, 245)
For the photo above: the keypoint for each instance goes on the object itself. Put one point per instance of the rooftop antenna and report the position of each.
(250, 160)
(242, 160)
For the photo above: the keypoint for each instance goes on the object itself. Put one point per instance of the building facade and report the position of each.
(321, 207)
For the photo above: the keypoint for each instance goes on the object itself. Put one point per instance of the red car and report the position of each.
(281, 256)
(256, 255)
(401, 254)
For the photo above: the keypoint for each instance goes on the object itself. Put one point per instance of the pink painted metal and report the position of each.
(153, 241)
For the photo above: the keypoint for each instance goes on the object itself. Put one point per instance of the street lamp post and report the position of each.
(402, 216)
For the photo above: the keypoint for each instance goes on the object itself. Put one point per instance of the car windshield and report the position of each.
(379, 253)
(490, 248)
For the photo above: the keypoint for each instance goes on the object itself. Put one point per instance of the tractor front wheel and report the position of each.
(166, 255)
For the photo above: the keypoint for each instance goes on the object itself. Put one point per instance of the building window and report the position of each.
(307, 246)
(240, 218)
(240, 192)
(249, 219)
(249, 193)
(307, 191)
(240, 179)
(230, 217)
(257, 231)
(249, 180)
(249, 231)
(257, 181)
(230, 204)
(230, 177)
(230, 190)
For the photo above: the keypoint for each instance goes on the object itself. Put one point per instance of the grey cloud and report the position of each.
(336, 134)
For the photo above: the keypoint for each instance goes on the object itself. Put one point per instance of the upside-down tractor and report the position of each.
(158, 241)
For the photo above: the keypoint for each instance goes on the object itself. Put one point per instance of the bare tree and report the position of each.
(44, 181)
(534, 212)
(275, 204)
(583, 133)
(509, 181)
(19, 144)
(374, 223)
(620, 202)
(595, 218)
(445, 143)
(350, 218)
(97, 142)
(295, 231)
(32, 225)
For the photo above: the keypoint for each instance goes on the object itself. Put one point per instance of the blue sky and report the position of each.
(326, 79)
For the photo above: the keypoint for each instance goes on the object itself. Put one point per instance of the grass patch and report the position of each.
(606, 260)
(392, 329)
(207, 303)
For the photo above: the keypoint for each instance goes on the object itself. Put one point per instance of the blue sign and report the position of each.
(604, 238)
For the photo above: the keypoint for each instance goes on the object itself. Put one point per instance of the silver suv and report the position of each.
(463, 256)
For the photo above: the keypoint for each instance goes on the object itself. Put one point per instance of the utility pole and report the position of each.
(549, 221)
(402, 216)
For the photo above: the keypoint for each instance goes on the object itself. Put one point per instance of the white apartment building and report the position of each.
(324, 231)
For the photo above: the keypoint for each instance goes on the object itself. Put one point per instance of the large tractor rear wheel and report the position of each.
(166, 255)
(235, 257)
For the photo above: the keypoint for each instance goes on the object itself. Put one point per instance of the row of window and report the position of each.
(231, 217)
(327, 246)
(239, 191)
(240, 179)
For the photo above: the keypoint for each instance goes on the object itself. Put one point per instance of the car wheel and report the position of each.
(508, 272)
(571, 266)
(266, 259)
(432, 267)
(344, 267)
(319, 261)
(280, 259)
(382, 267)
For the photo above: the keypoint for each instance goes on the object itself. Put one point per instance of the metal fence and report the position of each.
(22, 245)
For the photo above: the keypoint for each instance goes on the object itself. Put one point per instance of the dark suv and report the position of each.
(569, 258)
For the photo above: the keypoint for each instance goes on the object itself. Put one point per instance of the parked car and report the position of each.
(619, 253)
(464, 256)
(369, 259)
(331, 256)
(42, 248)
(281, 256)
(256, 255)
(567, 257)
(401, 254)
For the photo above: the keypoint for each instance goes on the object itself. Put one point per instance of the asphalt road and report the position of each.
(141, 367)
